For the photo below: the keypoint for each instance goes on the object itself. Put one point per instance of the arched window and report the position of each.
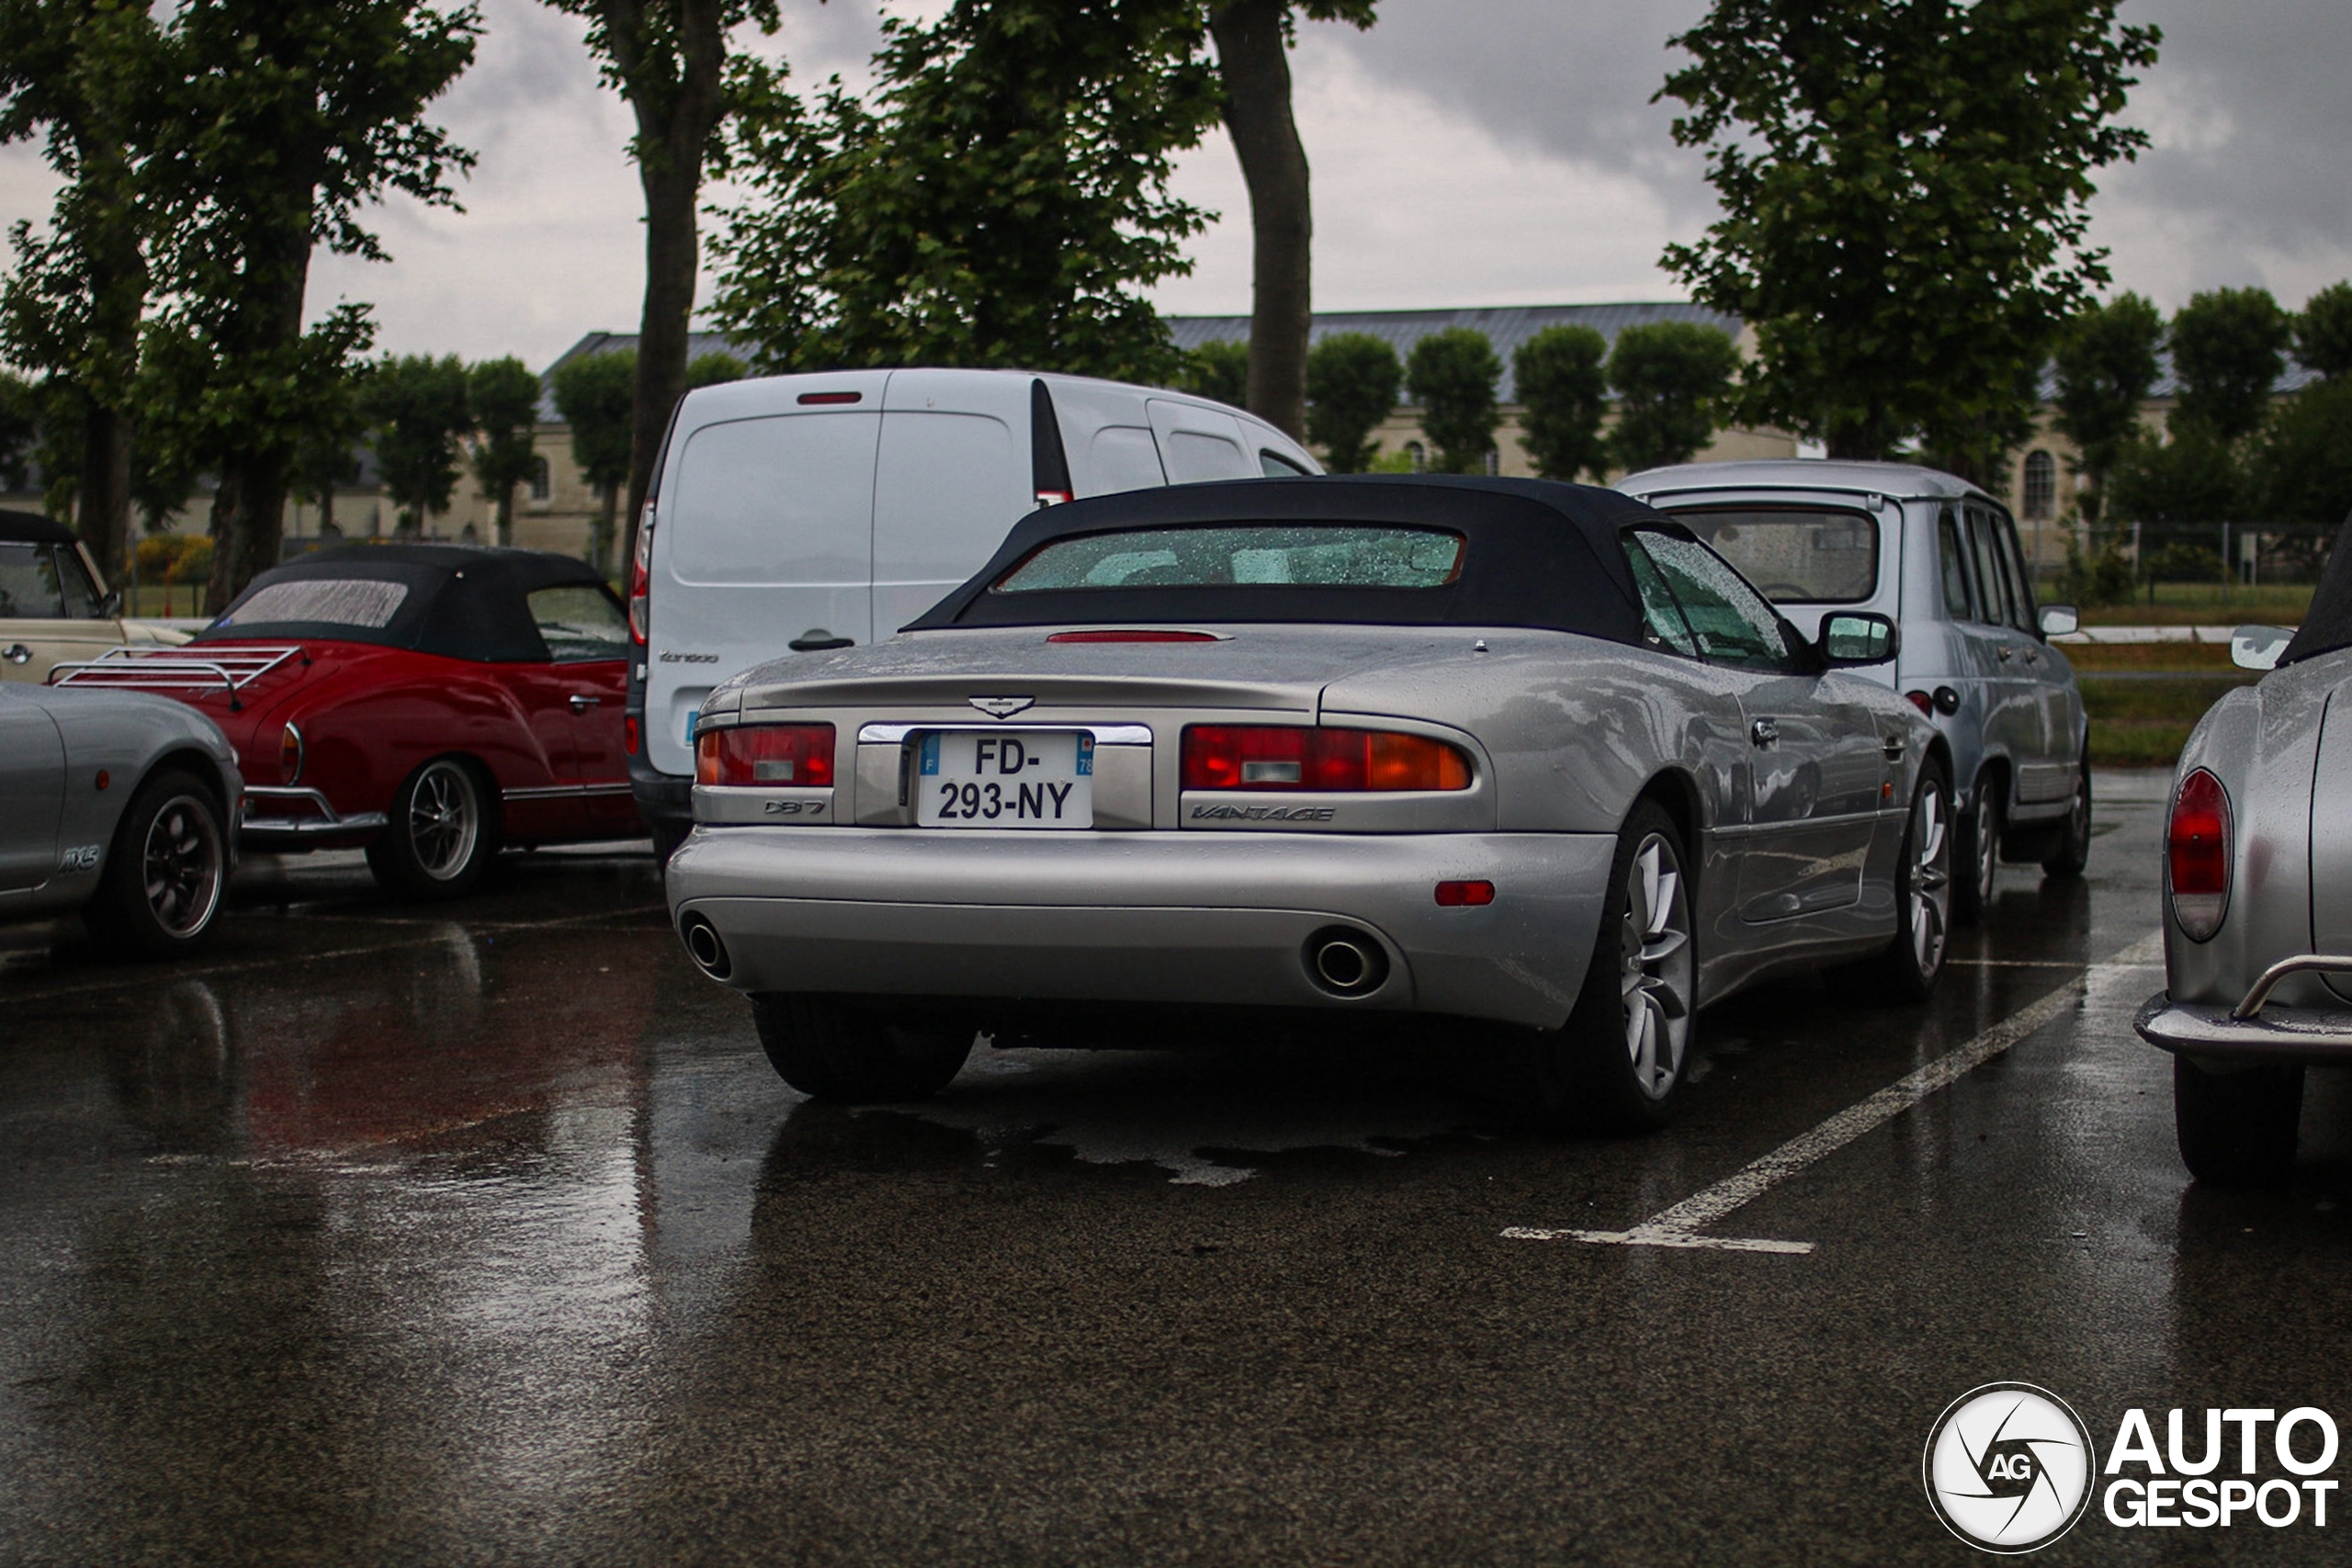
(1421, 455)
(538, 479)
(2040, 485)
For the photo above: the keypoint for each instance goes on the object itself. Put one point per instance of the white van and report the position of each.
(801, 512)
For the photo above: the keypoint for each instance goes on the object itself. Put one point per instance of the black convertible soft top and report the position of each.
(1538, 553)
(2327, 624)
(460, 601)
(32, 528)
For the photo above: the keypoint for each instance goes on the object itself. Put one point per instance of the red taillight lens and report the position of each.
(795, 756)
(629, 736)
(640, 578)
(2196, 855)
(1464, 894)
(1288, 757)
(1133, 634)
(1923, 702)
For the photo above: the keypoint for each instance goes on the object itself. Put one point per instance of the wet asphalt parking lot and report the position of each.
(390, 1234)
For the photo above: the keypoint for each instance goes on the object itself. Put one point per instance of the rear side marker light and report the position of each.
(1295, 757)
(1135, 634)
(1464, 894)
(629, 735)
(791, 756)
(820, 399)
(2197, 855)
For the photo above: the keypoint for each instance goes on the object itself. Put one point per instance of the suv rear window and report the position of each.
(1271, 555)
(1796, 555)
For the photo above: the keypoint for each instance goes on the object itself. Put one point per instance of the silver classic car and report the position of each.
(1941, 557)
(1284, 754)
(119, 805)
(2258, 897)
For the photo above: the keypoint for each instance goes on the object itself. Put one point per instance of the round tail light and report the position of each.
(2198, 855)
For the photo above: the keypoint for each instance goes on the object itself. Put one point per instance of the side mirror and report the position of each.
(1855, 636)
(2057, 620)
(2258, 647)
(110, 607)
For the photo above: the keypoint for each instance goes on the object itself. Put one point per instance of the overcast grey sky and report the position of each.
(1466, 152)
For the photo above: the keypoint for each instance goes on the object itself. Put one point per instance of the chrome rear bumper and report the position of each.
(1193, 918)
(2255, 1029)
(279, 817)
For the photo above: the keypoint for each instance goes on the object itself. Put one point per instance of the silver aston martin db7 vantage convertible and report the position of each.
(1277, 755)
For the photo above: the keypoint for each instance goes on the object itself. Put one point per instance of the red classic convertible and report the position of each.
(431, 702)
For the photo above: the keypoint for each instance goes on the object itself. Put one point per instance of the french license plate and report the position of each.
(1027, 778)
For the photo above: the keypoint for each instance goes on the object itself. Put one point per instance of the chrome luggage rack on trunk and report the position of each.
(177, 669)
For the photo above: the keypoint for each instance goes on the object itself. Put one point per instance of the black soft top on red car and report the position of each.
(458, 601)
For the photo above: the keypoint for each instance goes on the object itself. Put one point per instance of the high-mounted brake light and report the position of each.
(797, 756)
(1291, 757)
(819, 400)
(1052, 497)
(2198, 853)
(640, 578)
(1133, 634)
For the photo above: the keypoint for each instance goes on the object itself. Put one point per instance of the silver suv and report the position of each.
(1941, 557)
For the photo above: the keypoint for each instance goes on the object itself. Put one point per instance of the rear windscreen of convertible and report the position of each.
(1269, 555)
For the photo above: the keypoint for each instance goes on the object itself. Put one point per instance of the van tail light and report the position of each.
(1292, 757)
(2198, 855)
(640, 578)
(630, 738)
(792, 756)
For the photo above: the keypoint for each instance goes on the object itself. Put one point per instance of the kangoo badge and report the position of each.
(2009, 1467)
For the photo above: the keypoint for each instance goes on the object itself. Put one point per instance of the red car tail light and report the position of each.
(1135, 634)
(640, 578)
(1293, 757)
(799, 756)
(2197, 855)
(1464, 894)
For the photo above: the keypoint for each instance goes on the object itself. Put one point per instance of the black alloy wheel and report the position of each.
(166, 870)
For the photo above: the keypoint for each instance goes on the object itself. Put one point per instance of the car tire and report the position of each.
(2237, 1129)
(853, 1054)
(1907, 970)
(2073, 851)
(166, 871)
(1976, 853)
(442, 835)
(1616, 1066)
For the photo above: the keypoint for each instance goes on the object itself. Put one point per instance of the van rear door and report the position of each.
(953, 479)
(763, 536)
(1198, 444)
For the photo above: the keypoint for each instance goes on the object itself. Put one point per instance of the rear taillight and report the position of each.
(640, 578)
(1133, 634)
(2196, 855)
(797, 756)
(1287, 757)
(629, 737)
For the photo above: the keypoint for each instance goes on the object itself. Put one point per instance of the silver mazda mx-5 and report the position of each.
(2258, 897)
(1273, 755)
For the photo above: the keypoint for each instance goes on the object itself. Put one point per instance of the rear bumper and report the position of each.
(1194, 917)
(664, 800)
(2255, 1029)
(278, 818)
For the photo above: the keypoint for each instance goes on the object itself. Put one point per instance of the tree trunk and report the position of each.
(102, 506)
(1253, 59)
(249, 510)
(600, 536)
(506, 516)
(117, 298)
(673, 126)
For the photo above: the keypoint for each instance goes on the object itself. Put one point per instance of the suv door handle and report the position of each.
(581, 702)
(1764, 734)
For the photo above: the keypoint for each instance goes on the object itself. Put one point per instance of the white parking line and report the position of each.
(1678, 1226)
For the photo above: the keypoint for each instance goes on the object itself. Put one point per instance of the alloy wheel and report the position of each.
(180, 865)
(444, 820)
(1987, 845)
(1656, 983)
(1930, 879)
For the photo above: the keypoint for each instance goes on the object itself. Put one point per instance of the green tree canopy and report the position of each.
(594, 393)
(1218, 370)
(2324, 330)
(1905, 186)
(1351, 385)
(715, 368)
(416, 408)
(2228, 348)
(2195, 476)
(1564, 394)
(19, 429)
(2105, 363)
(1002, 201)
(1670, 378)
(1452, 375)
(2302, 459)
(504, 396)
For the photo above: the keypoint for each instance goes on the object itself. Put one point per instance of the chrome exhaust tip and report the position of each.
(1346, 962)
(704, 947)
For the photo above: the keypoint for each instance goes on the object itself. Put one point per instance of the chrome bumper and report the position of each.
(1191, 918)
(276, 817)
(2254, 1029)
